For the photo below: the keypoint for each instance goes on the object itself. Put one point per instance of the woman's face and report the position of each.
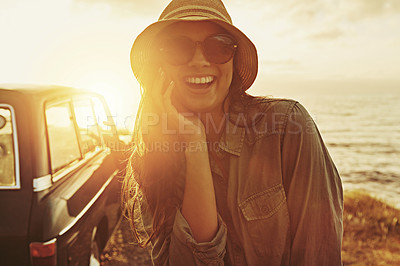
(200, 86)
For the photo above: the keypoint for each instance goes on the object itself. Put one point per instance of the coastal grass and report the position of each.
(371, 231)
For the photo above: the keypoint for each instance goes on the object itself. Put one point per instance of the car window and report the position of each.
(63, 141)
(105, 122)
(8, 176)
(87, 124)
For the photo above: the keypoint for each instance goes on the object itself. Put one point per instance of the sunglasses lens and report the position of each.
(219, 49)
(178, 51)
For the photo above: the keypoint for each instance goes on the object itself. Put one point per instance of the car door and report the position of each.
(84, 175)
(15, 192)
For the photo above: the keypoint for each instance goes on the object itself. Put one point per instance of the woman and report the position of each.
(217, 176)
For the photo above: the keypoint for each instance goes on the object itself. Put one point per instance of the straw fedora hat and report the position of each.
(245, 61)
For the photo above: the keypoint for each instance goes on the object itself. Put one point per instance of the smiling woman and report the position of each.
(190, 67)
(217, 176)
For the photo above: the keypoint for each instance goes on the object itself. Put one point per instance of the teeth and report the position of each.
(197, 80)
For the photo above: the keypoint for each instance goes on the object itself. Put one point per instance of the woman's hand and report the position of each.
(187, 126)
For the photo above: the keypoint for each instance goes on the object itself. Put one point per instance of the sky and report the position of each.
(329, 45)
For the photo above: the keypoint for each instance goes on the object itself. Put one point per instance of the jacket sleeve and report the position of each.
(176, 245)
(314, 193)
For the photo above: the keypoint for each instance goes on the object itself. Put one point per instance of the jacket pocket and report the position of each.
(267, 220)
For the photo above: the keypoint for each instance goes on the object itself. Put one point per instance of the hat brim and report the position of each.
(245, 62)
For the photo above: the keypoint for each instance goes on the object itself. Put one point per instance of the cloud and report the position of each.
(327, 35)
(344, 10)
(362, 9)
(280, 65)
(281, 62)
(126, 8)
(317, 11)
(299, 10)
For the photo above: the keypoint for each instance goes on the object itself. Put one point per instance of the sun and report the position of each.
(122, 94)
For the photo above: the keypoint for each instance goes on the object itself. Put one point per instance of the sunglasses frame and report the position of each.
(201, 44)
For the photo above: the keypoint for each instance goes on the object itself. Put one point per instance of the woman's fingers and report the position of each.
(167, 98)
(157, 89)
(172, 114)
(159, 83)
(187, 125)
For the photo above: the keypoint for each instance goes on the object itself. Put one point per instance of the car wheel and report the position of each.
(95, 251)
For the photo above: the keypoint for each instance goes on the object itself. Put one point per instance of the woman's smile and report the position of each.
(199, 83)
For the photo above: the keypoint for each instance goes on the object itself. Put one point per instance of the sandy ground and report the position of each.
(121, 250)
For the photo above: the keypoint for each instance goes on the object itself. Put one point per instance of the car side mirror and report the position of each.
(3, 121)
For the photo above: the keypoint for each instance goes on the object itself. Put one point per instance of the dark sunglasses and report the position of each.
(217, 49)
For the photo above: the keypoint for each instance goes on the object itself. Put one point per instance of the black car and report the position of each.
(59, 176)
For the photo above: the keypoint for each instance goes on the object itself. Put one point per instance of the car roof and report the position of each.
(42, 92)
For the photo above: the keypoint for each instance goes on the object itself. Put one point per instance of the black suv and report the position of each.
(59, 169)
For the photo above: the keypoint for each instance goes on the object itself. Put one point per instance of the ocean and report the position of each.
(362, 133)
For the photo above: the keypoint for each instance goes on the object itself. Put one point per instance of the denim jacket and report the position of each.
(281, 202)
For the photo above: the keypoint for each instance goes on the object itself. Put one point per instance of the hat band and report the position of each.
(194, 10)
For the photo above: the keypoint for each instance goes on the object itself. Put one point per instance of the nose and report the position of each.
(198, 58)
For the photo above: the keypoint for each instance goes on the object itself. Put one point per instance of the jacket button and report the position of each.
(237, 249)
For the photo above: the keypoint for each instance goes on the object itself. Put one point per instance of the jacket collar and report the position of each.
(232, 139)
